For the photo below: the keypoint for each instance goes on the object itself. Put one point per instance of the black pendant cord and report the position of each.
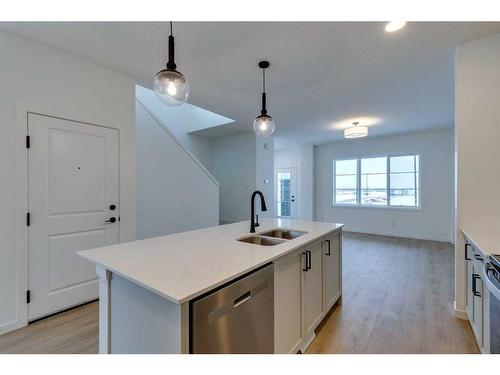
(264, 109)
(171, 54)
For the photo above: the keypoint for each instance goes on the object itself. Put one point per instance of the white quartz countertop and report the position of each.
(487, 240)
(182, 266)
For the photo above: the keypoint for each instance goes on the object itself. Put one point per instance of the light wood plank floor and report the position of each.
(397, 298)
(73, 331)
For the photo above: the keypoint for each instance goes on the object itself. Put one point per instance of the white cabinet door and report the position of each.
(287, 303)
(477, 305)
(468, 275)
(73, 201)
(332, 270)
(312, 287)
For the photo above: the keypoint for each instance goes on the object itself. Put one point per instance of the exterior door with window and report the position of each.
(73, 204)
(285, 194)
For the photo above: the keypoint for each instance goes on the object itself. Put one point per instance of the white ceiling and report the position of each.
(321, 73)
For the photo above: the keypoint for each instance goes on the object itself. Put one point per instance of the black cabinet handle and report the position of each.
(329, 248)
(309, 256)
(475, 276)
(466, 247)
(111, 220)
(477, 256)
(305, 269)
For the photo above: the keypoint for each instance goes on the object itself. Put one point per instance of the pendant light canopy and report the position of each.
(263, 126)
(356, 131)
(170, 85)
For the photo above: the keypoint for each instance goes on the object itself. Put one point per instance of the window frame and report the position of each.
(357, 183)
(388, 206)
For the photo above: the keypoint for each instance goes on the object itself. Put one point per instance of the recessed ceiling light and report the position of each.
(394, 26)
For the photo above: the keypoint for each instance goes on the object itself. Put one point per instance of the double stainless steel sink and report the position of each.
(272, 237)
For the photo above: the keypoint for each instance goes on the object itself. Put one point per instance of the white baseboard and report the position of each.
(426, 238)
(12, 326)
(306, 341)
(459, 313)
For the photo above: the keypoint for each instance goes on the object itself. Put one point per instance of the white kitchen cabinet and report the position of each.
(477, 306)
(475, 299)
(287, 303)
(312, 289)
(332, 270)
(307, 283)
(468, 276)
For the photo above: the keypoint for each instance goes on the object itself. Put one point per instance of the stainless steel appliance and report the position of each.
(235, 318)
(491, 280)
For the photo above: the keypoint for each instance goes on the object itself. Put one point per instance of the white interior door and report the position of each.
(285, 192)
(73, 191)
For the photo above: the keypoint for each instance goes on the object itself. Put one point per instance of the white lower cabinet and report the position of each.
(477, 306)
(475, 301)
(307, 283)
(287, 306)
(468, 275)
(312, 289)
(332, 270)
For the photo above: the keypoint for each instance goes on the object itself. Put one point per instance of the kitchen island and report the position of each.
(146, 287)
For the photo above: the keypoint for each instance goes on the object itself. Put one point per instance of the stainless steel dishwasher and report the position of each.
(236, 318)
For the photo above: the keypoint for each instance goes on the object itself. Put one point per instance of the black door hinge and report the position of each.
(28, 219)
(28, 296)
(28, 141)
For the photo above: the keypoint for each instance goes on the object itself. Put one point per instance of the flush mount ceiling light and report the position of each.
(263, 126)
(170, 85)
(356, 131)
(394, 26)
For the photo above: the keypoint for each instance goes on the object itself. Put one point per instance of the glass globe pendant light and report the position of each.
(263, 126)
(170, 85)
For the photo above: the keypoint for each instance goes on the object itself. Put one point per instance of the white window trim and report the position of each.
(358, 184)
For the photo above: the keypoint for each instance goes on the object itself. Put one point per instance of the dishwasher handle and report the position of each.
(242, 299)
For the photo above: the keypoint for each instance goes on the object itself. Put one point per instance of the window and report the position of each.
(284, 195)
(377, 181)
(374, 181)
(404, 180)
(346, 181)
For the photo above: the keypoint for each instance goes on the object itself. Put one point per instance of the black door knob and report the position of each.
(112, 207)
(111, 220)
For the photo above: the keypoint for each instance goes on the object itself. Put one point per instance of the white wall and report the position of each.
(264, 174)
(301, 159)
(477, 114)
(182, 120)
(242, 164)
(434, 221)
(173, 193)
(235, 169)
(35, 77)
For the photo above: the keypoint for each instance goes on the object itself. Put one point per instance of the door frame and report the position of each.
(22, 198)
(294, 210)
